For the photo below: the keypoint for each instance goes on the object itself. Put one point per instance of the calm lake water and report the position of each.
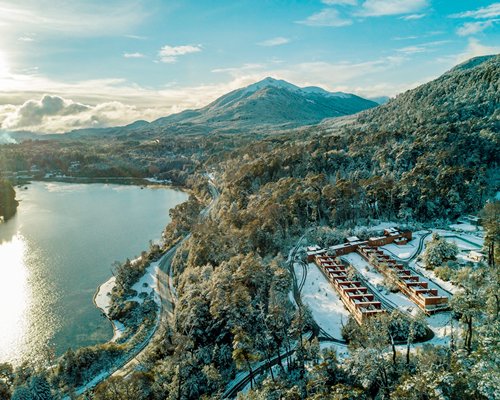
(58, 249)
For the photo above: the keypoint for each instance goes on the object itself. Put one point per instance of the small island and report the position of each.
(8, 202)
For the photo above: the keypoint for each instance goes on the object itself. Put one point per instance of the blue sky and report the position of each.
(70, 64)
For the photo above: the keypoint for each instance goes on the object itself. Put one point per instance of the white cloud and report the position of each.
(169, 54)
(471, 28)
(475, 49)
(423, 47)
(244, 67)
(376, 8)
(413, 37)
(326, 17)
(412, 17)
(76, 18)
(491, 11)
(413, 49)
(136, 37)
(340, 2)
(277, 41)
(54, 114)
(32, 112)
(133, 55)
(26, 39)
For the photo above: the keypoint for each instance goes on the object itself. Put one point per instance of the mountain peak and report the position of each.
(270, 82)
(282, 84)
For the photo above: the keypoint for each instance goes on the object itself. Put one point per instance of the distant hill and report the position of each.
(380, 99)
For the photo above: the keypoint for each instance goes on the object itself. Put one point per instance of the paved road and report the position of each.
(233, 389)
(167, 306)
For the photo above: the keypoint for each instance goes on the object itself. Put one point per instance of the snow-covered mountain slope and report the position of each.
(266, 104)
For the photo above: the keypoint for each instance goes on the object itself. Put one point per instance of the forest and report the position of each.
(8, 202)
(428, 156)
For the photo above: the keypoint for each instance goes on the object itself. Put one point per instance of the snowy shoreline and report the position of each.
(147, 283)
(102, 300)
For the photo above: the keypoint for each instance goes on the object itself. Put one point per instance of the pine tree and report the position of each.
(40, 388)
(22, 393)
(438, 251)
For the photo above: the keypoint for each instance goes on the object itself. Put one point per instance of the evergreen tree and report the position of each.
(439, 250)
(40, 388)
(22, 393)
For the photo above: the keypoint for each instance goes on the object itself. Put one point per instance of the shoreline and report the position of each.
(147, 283)
(104, 291)
(131, 181)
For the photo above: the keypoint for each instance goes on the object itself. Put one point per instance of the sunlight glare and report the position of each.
(14, 296)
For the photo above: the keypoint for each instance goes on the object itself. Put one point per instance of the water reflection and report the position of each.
(26, 320)
(57, 250)
(14, 296)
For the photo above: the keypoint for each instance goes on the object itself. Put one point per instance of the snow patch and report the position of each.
(160, 181)
(465, 227)
(342, 351)
(376, 279)
(102, 300)
(147, 284)
(327, 308)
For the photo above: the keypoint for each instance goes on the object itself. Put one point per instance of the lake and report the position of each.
(58, 249)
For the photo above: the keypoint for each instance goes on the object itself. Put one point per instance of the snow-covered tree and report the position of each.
(438, 250)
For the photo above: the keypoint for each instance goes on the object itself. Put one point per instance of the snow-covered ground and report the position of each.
(379, 227)
(147, 284)
(161, 181)
(466, 227)
(404, 251)
(440, 325)
(431, 278)
(342, 350)
(327, 308)
(462, 244)
(465, 242)
(102, 300)
(376, 279)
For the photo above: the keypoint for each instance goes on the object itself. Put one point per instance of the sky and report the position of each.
(68, 64)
